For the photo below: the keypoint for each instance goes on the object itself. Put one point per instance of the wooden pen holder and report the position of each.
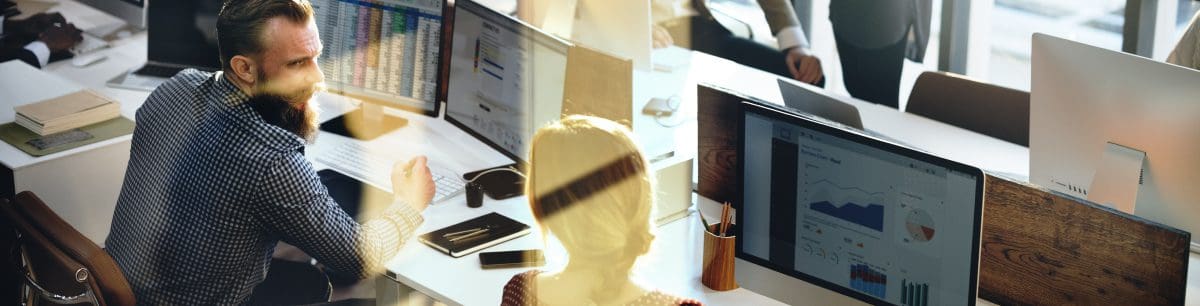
(717, 272)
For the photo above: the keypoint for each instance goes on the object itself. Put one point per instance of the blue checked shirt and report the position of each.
(211, 188)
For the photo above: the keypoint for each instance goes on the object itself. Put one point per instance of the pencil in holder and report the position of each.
(717, 272)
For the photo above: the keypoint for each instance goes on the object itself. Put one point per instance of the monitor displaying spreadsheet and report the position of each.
(382, 51)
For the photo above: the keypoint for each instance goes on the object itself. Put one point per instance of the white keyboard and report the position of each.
(358, 162)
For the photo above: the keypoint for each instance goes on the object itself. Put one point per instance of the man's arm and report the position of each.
(781, 17)
(298, 209)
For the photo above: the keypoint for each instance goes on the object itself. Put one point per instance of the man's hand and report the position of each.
(61, 37)
(413, 182)
(803, 66)
(662, 38)
(33, 26)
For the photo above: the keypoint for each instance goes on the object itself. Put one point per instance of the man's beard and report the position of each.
(297, 116)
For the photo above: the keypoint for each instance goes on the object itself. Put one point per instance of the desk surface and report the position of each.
(413, 265)
(24, 88)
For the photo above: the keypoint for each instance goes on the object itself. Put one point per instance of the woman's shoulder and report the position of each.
(519, 289)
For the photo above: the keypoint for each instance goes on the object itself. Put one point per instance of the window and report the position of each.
(1013, 22)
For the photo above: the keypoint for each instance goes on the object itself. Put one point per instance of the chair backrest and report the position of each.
(977, 106)
(62, 265)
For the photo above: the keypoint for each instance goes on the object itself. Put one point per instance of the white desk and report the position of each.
(674, 265)
(941, 139)
(80, 184)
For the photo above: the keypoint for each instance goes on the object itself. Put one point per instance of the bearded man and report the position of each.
(217, 174)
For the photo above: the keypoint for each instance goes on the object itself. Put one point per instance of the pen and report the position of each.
(461, 232)
(728, 220)
(724, 215)
(470, 236)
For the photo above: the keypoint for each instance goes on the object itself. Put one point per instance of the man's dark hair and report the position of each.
(240, 24)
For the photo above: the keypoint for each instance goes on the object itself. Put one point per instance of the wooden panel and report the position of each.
(1044, 248)
(598, 84)
(717, 113)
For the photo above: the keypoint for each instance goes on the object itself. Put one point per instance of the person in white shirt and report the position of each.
(33, 40)
(690, 24)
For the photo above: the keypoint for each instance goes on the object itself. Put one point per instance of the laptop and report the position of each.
(809, 100)
(181, 34)
(855, 214)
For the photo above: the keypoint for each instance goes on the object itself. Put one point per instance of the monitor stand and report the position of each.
(366, 123)
(1119, 178)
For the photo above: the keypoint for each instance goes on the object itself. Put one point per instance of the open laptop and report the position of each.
(854, 214)
(809, 100)
(181, 35)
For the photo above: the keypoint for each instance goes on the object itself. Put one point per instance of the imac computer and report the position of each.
(384, 53)
(857, 215)
(181, 35)
(1116, 129)
(505, 80)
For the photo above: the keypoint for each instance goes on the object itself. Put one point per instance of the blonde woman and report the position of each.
(588, 187)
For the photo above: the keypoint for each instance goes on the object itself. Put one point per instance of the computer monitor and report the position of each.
(806, 98)
(385, 53)
(181, 34)
(866, 218)
(506, 78)
(620, 27)
(1083, 97)
(130, 11)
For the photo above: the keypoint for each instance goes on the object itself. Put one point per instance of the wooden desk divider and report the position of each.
(1041, 247)
(598, 84)
(1037, 247)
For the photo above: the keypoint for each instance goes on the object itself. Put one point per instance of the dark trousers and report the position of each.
(872, 74)
(708, 36)
(291, 283)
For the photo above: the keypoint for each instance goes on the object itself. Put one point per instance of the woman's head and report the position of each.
(589, 185)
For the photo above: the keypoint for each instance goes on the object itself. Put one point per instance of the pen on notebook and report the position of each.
(470, 235)
(462, 232)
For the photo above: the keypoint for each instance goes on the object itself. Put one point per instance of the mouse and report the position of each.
(87, 59)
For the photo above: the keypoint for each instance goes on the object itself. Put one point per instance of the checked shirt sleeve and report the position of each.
(298, 208)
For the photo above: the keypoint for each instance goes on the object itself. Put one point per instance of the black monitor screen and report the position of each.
(857, 215)
(184, 33)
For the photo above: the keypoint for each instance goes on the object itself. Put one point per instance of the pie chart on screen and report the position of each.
(920, 225)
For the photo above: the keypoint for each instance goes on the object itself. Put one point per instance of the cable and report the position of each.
(514, 171)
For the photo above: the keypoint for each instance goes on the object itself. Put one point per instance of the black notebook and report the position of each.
(476, 234)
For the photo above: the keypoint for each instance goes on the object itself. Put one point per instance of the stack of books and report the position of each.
(68, 112)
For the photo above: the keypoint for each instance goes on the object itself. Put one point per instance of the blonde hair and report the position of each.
(589, 185)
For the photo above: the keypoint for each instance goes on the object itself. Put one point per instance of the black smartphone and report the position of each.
(511, 259)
